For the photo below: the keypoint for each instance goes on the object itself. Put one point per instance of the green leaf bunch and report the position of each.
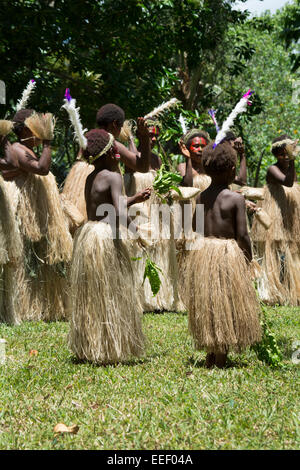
(152, 273)
(166, 180)
(267, 350)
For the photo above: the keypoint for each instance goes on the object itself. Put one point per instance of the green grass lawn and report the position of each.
(167, 400)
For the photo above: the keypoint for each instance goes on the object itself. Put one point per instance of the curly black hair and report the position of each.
(108, 113)
(220, 159)
(97, 139)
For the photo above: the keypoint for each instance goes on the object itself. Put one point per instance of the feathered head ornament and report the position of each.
(183, 125)
(162, 108)
(212, 114)
(70, 107)
(21, 104)
(239, 108)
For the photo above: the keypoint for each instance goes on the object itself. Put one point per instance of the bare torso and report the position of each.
(101, 188)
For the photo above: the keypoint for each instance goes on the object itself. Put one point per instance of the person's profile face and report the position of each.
(154, 134)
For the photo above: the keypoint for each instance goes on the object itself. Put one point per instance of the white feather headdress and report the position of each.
(21, 104)
(183, 124)
(239, 108)
(162, 108)
(70, 107)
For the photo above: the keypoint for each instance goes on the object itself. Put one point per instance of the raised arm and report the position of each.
(186, 169)
(29, 162)
(275, 175)
(135, 160)
(242, 235)
(241, 179)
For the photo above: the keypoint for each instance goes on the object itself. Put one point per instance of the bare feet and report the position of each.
(210, 360)
(220, 360)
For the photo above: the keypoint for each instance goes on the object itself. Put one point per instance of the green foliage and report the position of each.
(291, 31)
(152, 274)
(165, 181)
(267, 350)
(268, 73)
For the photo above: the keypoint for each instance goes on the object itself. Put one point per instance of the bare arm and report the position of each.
(116, 193)
(132, 146)
(28, 161)
(10, 160)
(186, 170)
(275, 175)
(241, 179)
(242, 236)
(139, 197)
(135, 161)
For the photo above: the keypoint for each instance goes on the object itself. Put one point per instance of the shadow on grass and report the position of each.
(230, 364)
(162, 312)
(131, 362)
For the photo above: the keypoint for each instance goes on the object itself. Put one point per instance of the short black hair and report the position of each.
(19, 120)
(279, 149)
(219, 159)
(108, 113)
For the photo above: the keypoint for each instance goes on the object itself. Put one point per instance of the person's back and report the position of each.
(106, 321)
(224, 210)
(223, 308)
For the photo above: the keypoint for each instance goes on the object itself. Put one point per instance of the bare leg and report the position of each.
(221, 360)
(210, 360)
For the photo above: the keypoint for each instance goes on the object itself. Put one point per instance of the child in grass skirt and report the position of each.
(106, 314)
(222, 304)
(278, 247)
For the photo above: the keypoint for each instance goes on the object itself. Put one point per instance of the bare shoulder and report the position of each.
(232, 196)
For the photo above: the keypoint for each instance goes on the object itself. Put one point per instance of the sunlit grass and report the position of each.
(167, 400)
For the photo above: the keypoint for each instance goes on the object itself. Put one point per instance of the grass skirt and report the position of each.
(106, 319)
(40, 275)
(10, 256)
(74, 185)
(74, 217)
(222, 303)
(162, 251)
(277, 248)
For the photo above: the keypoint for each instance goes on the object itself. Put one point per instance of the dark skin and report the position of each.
(104, 186)
(193, 165)
(9, 162)
(20, 159)
(283, 172)
(238, 145)
(155, 161)
(224, 217)
(134, 160)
